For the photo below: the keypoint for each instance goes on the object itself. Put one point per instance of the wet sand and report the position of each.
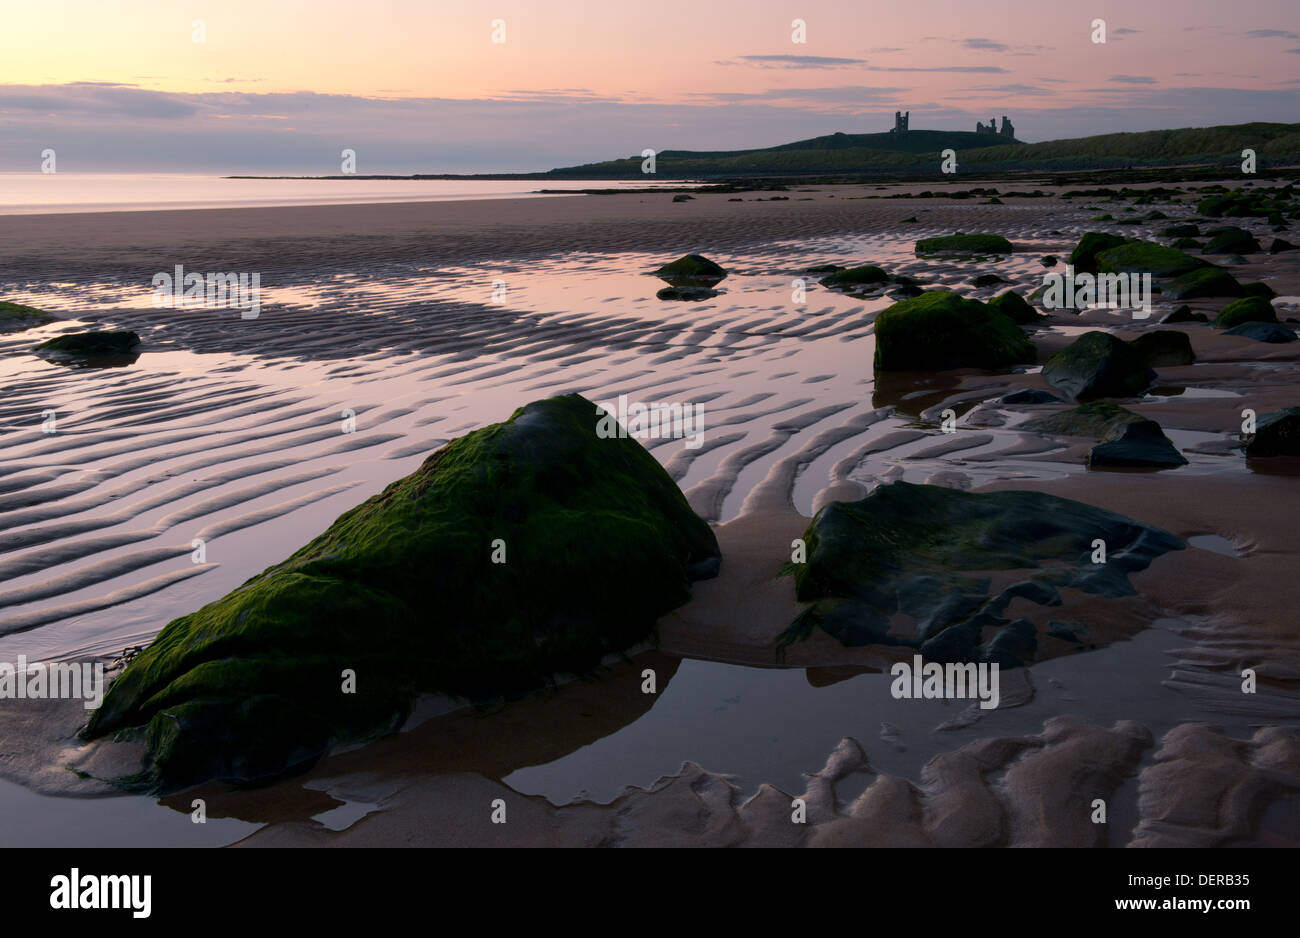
(228, 430)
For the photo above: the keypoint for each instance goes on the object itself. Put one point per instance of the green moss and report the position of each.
(1232, 241)
(1247, 309)
(1084, 255)
(1013, 306)
(14, 317)
(939, 330)
(1096, 420)
(1140, 257)
(1208, 281)
(965, 244)
(402, 591)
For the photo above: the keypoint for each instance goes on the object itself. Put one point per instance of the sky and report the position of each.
(437, 86)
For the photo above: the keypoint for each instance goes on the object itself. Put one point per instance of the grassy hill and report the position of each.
(918, 152)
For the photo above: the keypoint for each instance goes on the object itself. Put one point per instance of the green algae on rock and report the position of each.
(1084, 256)
(854, 276)
(1014, 307)
(939, 330)
(1207, 281)
(965, 244)
(1247, 309)
(408, 592)
(691, 268)
(903, 549)
(1146, 257)
(14, 317)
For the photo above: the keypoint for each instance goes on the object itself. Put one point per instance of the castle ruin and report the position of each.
(992, 128)
(900, 122)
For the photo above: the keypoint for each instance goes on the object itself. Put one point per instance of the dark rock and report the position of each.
(1258, 289)
(683, 198)
(1181, 231)
(1278, 246)
(690, 268)
(90, 344)
(1273, 332)
(1030, 396)
(824, 269)
(904, 549)
(1141, 444)
(939, 330)
(1048, 261)
(1142, 257)
(1015, 308)
(686, 293)
(988, 280)
(1232, 241)
(1084, 256)
(1187, 244)
(1184, 314)
(855, 276)
(1164, 348)
(14, 317)
(1276, 434)
(403, 590)
(965, 244)
(1097, 420)
(1099, 365)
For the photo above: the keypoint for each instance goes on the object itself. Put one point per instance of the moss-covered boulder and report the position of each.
(1164, 348)
(1187, 244)
(1014, 307)
(14, 317)
(90, 344)
(939, 330)
(1232, 241)
(1099, 365)
(1258, 289)
(965, 244)
(691, 268)
(520, 551)
(1084, 256)
(1276, 434)
(909, 565)
(1146, 257)
(1246, 309)
(855, 276)
(1096, 420)
(1208, 281)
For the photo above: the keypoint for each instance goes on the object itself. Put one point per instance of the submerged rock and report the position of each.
(1247, 309)
(1141, 444)
(686, 293)
(1276, 434)
(965, 244)
(1099, 365)
(939, 330)
(1273, 332)
(855, 276)
(520, 551)
(904, 549)
(89, 344)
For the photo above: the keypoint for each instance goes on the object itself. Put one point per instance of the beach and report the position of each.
(387, 330)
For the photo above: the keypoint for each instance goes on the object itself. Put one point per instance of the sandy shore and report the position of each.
(227, 430)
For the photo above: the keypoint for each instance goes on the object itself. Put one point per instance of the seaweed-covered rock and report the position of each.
(1276, 434)
(691, 268)
(904, 549)
(1014, 307)
(1258, 289)
(1099, 365)
(965, 244)
(1232, 241)
(520, 551)
(686, 293)
(1164, 347)
(1141, 444)
(90, 344)
(1208, 281)
(855, 276)
(1084, 256)
(14, 317)
(1184, 314)
(1247, 309)
(1186, 244)
(1143, 257)
(939, 330)
(1181, 231)
(1272, 332)
(1096, 420)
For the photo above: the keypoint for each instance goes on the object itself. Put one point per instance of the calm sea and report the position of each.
(40, 193)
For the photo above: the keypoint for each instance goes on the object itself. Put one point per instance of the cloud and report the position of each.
(1124, 31)
(1271, 33)
(1015, 89)
(799, 61)
(1134, 79)
(988, 44)
(970, 69)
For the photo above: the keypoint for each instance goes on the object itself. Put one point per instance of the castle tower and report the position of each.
(1007, 130)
